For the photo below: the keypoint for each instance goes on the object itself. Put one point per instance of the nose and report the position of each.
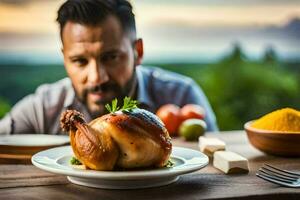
(97, 74)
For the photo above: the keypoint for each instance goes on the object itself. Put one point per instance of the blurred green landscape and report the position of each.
(239, 89)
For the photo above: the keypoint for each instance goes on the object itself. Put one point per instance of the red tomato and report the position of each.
(190, 111)
(170, 116)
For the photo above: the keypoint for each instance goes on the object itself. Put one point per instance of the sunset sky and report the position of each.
(38, 16)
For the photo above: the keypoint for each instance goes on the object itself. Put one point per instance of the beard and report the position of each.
(111, 90)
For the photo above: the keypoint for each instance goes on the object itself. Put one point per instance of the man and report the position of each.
(101, 56)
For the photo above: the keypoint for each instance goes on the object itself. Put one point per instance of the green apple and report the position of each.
(192, 129)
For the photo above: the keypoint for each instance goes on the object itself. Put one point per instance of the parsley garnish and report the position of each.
(128, 105)
(114, 106)
(169, 164)
(75, 161)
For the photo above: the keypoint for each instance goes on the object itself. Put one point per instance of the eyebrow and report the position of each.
(111, 51)
(76, 54)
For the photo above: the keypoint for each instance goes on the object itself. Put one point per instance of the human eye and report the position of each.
(110, 57)
(79, 61)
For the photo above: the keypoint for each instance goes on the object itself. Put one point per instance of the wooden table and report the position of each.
(29, 182)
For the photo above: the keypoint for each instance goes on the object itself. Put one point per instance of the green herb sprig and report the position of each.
(114, 106)
(75, 161)
(128, 105)
(169, 164)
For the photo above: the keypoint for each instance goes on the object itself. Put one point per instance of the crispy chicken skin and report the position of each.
(124, 139)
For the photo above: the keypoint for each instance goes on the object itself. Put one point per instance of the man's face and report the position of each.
(99, 61)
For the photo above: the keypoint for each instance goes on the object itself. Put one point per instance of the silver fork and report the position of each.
(278, 176)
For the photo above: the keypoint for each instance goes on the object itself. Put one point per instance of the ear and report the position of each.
(138, 51)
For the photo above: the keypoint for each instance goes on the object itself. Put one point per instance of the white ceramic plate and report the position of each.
(29, 144)
(33, 140)
(56, 160)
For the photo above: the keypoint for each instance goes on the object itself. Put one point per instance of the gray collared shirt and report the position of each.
(40, 112)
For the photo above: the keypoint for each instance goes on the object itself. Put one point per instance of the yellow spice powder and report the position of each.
(286, 120)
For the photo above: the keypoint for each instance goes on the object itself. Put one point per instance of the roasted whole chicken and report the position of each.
(127, 140)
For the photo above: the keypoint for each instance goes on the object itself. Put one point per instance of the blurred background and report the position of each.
(244, 54)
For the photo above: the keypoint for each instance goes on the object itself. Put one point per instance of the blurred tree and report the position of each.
(270, 56)
(236, 54)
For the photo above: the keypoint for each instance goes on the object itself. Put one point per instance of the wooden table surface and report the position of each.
(29, 182)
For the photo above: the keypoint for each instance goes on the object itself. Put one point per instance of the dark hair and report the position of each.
(93, 12)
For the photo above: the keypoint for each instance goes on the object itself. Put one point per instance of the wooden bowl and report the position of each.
(274, 142)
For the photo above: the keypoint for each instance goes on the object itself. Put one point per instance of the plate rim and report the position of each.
(64, 140)
(122, 175)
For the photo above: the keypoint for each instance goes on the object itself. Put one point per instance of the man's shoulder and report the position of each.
(65, 82)
(160, 86)
(162, 76)
(54, 88)
(52, 93)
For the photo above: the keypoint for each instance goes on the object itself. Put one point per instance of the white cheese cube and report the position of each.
(210, 145)
(230, 162)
